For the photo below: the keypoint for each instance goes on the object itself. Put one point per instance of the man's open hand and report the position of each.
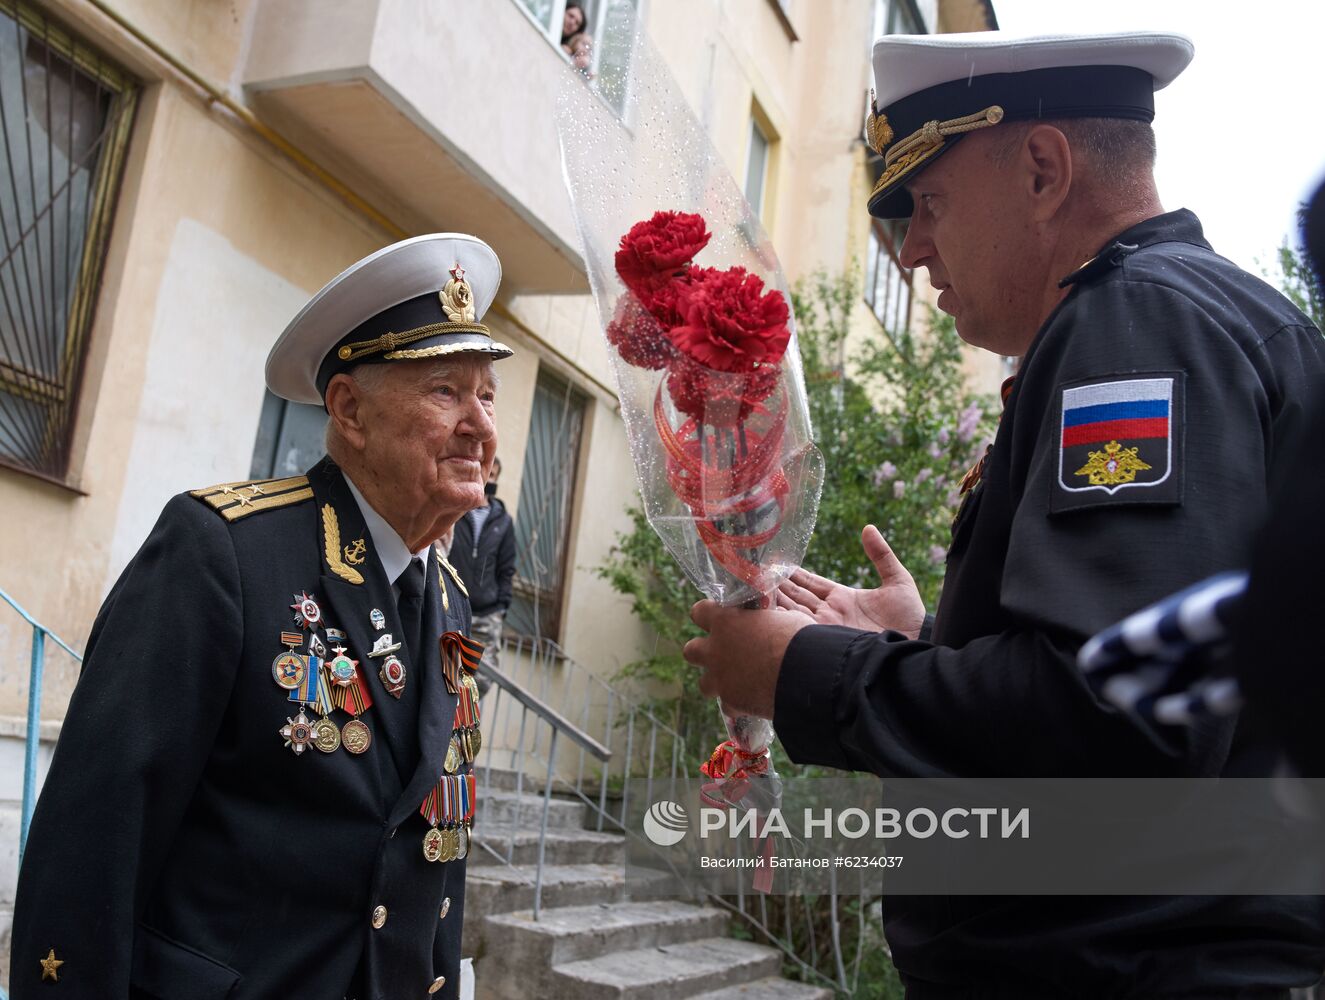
(894, 604)
(742, 654)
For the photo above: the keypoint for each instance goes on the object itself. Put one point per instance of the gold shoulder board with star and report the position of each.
(235, 500)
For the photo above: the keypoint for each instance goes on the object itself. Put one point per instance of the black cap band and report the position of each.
(416, 328)
(1058, 92)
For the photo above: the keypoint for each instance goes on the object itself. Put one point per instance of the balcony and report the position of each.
(439, 114)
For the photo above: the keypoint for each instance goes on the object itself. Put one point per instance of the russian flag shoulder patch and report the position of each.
(1120, 442)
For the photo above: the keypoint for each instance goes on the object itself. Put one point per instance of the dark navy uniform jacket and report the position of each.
(1162, 355)
(179, 849)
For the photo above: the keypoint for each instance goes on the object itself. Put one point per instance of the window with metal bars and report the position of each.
(543, 520)
(888, 287)
(65, 114)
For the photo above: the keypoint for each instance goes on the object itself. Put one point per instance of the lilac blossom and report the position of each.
(968, 422)
(884, 472)
(899, 488)
(937, 553)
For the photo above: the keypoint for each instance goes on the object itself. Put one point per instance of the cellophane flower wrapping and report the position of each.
(697, 313)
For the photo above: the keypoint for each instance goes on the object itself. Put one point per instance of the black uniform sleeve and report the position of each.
(156, 679)
(505, 567)
(1008, 699)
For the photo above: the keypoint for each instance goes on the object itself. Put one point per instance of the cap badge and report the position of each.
(458, 298)
(878, 133)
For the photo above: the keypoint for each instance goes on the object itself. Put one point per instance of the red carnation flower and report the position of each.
(639, 337)
(654, 250)
(728, 322)
(718, 399)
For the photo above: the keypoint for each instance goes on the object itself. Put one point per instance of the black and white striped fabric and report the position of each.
(1161, 663)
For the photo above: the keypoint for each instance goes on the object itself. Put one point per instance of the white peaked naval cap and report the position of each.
(419, 298)
(930, 90)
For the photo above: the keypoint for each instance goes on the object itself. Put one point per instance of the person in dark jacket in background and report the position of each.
(483, 553)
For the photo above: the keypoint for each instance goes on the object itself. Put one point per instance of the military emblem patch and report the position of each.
(1120, 442)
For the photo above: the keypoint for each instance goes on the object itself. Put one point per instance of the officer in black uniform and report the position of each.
(1132, 458)
(263, 786)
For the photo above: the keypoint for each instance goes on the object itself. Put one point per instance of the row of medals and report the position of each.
(290, 669)
(451, 843)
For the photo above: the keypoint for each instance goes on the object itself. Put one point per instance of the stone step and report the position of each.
(502, 808)
(506, 779)
(667, 972)
(508, 889)
(769, 989)
(563, 847)
(572, 933)
(535, 777)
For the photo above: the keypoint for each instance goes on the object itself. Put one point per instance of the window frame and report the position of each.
(883, 247)
(60, 426)
(595, 26)
(552, 629)
(756, 130)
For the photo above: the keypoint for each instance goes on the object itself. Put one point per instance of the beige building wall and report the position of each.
(438, 120)
(434, 117)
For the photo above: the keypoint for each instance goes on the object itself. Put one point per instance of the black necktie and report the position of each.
(409, 605)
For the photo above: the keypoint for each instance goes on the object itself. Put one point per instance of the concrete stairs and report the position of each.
(597, 937)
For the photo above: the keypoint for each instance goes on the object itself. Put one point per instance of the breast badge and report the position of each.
(297, 732)
(306, 612)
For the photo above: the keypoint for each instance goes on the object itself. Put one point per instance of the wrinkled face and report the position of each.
(430, 436)
(572, 21)
(970, 229)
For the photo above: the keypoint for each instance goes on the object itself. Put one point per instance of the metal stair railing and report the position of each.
(556, 725)
(638, 754)
(32, 738)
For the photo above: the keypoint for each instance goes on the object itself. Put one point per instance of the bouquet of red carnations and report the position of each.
(695, 309)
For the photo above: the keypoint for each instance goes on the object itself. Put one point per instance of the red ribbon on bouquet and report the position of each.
(731, 769)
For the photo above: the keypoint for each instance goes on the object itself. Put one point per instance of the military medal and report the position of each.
(316, 648)
(383, 645)
(335, 634)
(288, 669)
(377, 618)
(356, 736)
(432, 845)
(452, 762)
(297, 732)
(354, 698)
(448, 809)
(306, 612)
(450, 844)
(326, 737)
(392, 673)
(460, 658)
(342, 668)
